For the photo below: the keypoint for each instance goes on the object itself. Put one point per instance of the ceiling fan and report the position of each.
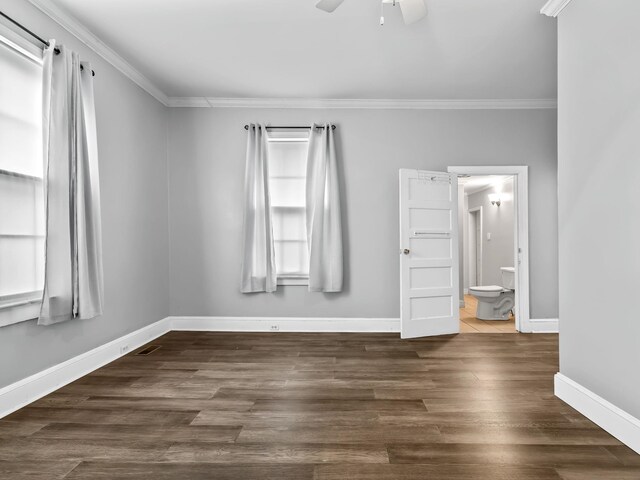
(412, 10)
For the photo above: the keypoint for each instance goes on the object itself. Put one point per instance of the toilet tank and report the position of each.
(508, 277)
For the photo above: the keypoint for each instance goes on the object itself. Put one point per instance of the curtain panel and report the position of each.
(258, 261)
(73, 284)
(324, 221)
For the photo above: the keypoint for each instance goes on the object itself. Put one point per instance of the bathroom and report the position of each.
(487, 250)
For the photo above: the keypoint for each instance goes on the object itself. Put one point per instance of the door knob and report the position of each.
(406, 251)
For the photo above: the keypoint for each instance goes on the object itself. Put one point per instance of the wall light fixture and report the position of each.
(494, 198)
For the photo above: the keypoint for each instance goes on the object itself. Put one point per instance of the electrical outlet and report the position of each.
(124, 349)
(275, 328)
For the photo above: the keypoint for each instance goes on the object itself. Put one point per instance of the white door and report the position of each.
(429, 294)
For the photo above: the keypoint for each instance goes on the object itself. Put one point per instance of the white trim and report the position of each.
(19, 307)
(521, 259)
(285, 324)
(30, 389)
(553, 7)
(358, 103)
(293, 281)
(614, 420)
(544, 325)
(20, 312)
(73, 26)
(188, 102)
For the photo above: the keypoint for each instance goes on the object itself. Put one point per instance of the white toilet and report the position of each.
(495, 302)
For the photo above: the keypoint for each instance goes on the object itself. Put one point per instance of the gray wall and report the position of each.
(206, 163)
(599, 212)
(500, 222)
(133, 180)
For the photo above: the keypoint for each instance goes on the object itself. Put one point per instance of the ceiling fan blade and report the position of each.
(328, 5)
(412, 10)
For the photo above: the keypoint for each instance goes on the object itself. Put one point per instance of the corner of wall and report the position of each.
(167, 111)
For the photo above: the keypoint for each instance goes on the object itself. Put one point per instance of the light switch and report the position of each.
(488, 235)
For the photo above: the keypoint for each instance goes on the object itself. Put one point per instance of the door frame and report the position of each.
(521, 252)
(479, 251)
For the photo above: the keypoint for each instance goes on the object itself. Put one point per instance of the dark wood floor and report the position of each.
(316, 406)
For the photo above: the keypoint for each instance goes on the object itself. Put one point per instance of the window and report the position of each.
(287, 185)
(21, 194)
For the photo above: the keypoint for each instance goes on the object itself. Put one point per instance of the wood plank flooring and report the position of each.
(316, 406)
(470, 324)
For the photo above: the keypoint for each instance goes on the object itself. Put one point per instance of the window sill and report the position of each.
(19, 299)
(19, 308)
(19, 313)
(292, 280)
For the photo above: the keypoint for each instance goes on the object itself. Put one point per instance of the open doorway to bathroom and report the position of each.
(488, 243)
(493, 249)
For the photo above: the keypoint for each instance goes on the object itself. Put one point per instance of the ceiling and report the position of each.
(476, 183)
(464, 49)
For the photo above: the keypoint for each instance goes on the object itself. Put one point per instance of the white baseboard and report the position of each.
(285, 324)
(617, 422)
(544, 325)
(30, 389)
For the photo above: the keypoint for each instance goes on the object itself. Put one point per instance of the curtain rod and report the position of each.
(37, 37)
(333, 127)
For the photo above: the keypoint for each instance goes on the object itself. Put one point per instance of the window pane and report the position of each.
(21, 264)
(288, 159)
(288, 192)
(292, 257)
(20, 147)
(289, 224)
(21, 206)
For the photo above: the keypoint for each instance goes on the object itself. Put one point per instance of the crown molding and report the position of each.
(553, 7)
(384, 104)
(73, 26)
(188, 102)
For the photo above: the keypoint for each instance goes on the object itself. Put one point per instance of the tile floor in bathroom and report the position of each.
(470, 324)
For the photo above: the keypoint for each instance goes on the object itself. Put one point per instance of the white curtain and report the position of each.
(324, 225)
(73, 285)
(258, 262)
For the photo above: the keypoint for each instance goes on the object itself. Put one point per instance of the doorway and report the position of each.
(482, 243)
